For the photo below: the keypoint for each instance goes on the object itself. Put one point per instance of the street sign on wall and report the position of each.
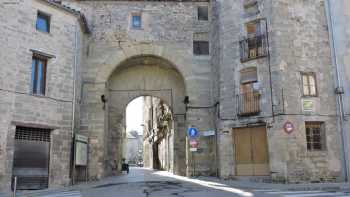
(288, 127)
(192, 132)
(308, 106)
(208, 133)
(194, 143)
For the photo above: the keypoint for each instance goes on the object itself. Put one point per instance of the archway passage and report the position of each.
(146, 76)
(149, 134)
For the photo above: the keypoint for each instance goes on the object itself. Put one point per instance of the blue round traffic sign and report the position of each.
(192, 132)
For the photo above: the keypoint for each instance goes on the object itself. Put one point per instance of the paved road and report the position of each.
(146, 183)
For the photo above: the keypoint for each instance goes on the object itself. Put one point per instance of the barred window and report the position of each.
(32, 134)
(315, 136)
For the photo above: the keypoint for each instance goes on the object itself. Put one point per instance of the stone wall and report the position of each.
(338, 20)
(167, 33)
(161, 51)
(298, 42)
(17, 105)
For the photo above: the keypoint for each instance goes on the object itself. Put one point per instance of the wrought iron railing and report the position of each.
(253, 47)
(249, 104)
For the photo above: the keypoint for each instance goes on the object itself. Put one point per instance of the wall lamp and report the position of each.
(186, 101)
(103, 100)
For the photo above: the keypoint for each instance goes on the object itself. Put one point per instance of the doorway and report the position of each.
(31, 158)
(251, 151)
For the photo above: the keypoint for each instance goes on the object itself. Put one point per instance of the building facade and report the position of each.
(37, 91)
(276, 60)
(268, 77)
(338, 15)
(134, 148)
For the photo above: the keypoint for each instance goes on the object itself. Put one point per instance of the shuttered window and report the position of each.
(309, 84)
(249, 75)
(31, 158)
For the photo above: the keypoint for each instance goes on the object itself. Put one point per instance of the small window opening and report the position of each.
(43, 22)
(200, 47)
(203, 13)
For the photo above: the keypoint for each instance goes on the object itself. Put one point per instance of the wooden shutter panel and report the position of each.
(249, 75)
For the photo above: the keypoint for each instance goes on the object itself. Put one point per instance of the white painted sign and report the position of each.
(308, 105)
(208, 133)
(193, 149)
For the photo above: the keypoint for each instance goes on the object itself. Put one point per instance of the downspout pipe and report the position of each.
(340, 102)
(76, 53)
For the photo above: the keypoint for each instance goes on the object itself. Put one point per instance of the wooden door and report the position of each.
(247, 98)
(251, 152)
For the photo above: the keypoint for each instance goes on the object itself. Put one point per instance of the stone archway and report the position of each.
(143, 76)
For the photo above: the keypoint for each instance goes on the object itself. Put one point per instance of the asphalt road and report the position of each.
(146, 183)
(142, 182)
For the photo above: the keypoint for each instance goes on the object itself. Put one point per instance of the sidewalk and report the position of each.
(246, 184)
(146, 175)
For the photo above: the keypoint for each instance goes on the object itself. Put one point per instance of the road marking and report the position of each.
(266, 190)
(316, 194)
(64, 194)
(293, 192)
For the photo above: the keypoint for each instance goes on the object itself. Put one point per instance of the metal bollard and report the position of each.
(14, 186)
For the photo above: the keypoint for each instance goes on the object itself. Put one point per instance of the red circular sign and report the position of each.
(194, 143)
(288, 127)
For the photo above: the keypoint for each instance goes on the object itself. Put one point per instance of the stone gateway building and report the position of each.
(265, 82)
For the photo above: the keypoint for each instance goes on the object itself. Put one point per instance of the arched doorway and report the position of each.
(149, 134)
(144, 76)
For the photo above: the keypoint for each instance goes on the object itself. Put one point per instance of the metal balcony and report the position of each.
(253, 47)
(249, 104)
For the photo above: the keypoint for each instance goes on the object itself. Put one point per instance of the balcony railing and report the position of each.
(253, 48)
(249, 104)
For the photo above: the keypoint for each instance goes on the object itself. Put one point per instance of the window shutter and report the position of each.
(263, 27)
(249, 75)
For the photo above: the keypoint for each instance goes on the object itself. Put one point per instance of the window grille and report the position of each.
(32, 134)
(315, 136)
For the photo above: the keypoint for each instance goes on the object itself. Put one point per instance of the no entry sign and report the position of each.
(194, 143)
(288, 127)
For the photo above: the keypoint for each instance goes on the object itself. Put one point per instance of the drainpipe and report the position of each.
(338, 84)
(76, 53)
